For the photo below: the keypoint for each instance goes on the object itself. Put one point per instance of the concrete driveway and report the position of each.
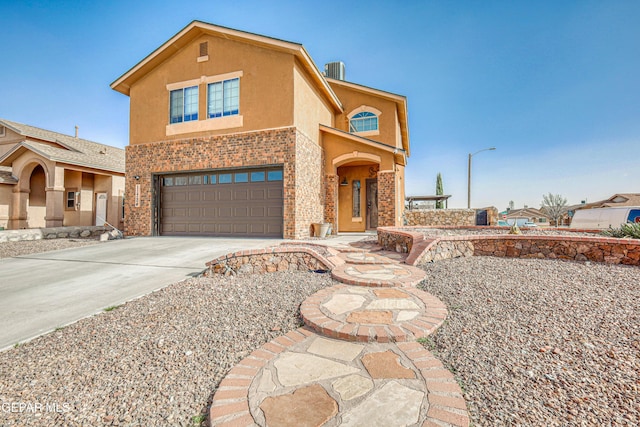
(43, 291)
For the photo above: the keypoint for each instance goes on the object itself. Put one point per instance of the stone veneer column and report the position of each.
(386, 198)
(331, 201)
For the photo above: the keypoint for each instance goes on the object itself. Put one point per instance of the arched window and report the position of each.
(364, 121)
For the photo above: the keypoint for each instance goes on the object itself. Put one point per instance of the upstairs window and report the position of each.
(183, 105)
(223, 98)
(363, 122)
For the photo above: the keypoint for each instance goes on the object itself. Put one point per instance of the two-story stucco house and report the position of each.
(48, 179)
(234, 133)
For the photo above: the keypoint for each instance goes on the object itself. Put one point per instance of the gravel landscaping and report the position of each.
(26, 247)
(541, 342)
(155, 361)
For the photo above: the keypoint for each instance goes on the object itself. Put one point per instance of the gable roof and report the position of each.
(618, 199)
(67, 149)
(6, 177)
(400, 100)
(196, 28)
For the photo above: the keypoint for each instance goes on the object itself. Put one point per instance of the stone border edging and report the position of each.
(230, 405)
(420, 327)
(71, 232)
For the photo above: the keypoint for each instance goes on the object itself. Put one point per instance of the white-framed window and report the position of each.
(183, 105)
(2, 131)
(223, 98)
(363, 122)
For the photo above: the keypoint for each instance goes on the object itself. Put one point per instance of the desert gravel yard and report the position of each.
(155, 361)
(533, 342)
(541, 342)
(26, 247)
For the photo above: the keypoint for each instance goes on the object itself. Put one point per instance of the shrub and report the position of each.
(631, 230)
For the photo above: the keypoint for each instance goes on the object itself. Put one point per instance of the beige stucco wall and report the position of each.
(266, 88)
(310, 109)
(6, 197)
(388, 123)
(336, 146)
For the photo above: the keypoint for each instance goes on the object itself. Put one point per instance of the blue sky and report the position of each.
(554, 86)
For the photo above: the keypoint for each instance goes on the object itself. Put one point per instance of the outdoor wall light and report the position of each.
(136, 177)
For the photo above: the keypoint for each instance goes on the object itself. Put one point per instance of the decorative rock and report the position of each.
(367, 317)
(405, 315)
(307, 407)
(392, 304)
(385, 365)
(298, 368)
(352, 386)
(390, 293)
(342, 303)
(342, 350)
(393, 404)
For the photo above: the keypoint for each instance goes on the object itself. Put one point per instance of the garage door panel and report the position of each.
(195, 207)
(241, 195)
(225, 195)
(257, 211)
(258, 194)
(274, 211)
(274, 193)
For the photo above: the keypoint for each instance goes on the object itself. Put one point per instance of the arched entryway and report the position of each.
(357, 191)
(37, 199)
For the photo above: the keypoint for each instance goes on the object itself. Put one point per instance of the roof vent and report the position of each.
(335, 70)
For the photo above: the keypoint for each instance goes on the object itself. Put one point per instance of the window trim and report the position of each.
(223, 112)
(365, 109)
(184, 105)
(76, 199)
(205, 125)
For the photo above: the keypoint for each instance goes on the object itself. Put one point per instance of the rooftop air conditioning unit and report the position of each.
(335, 70)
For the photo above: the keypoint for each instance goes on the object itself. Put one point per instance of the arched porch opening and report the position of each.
(37, 198)
(357, 191)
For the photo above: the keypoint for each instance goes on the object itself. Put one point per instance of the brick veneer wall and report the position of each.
(331, 201)
(386, 198)
(270, 147)
(308, 185)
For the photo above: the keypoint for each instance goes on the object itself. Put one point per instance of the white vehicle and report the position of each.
(604, 218)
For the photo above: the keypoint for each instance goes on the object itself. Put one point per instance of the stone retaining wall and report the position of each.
(575, 248)
(437, 217)
(597, 249)
(75, 232)
(393, 239)
(268, 260)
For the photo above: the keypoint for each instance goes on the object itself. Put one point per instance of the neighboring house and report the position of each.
(620, 199)
(234, 133)
(530, 214)
(48, 179)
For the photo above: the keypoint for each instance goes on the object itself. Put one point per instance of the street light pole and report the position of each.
(469, 174)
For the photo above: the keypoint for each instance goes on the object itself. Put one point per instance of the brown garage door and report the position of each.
(247, 202)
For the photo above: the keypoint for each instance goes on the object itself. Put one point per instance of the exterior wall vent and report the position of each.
(204, 52)
(335, 70)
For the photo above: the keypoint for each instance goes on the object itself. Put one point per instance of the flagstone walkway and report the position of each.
(355, 363)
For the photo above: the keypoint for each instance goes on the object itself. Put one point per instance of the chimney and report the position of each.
(335, 70)
(77, 131)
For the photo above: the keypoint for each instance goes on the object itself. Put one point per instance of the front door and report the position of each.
(372, 204)
(101, 208)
